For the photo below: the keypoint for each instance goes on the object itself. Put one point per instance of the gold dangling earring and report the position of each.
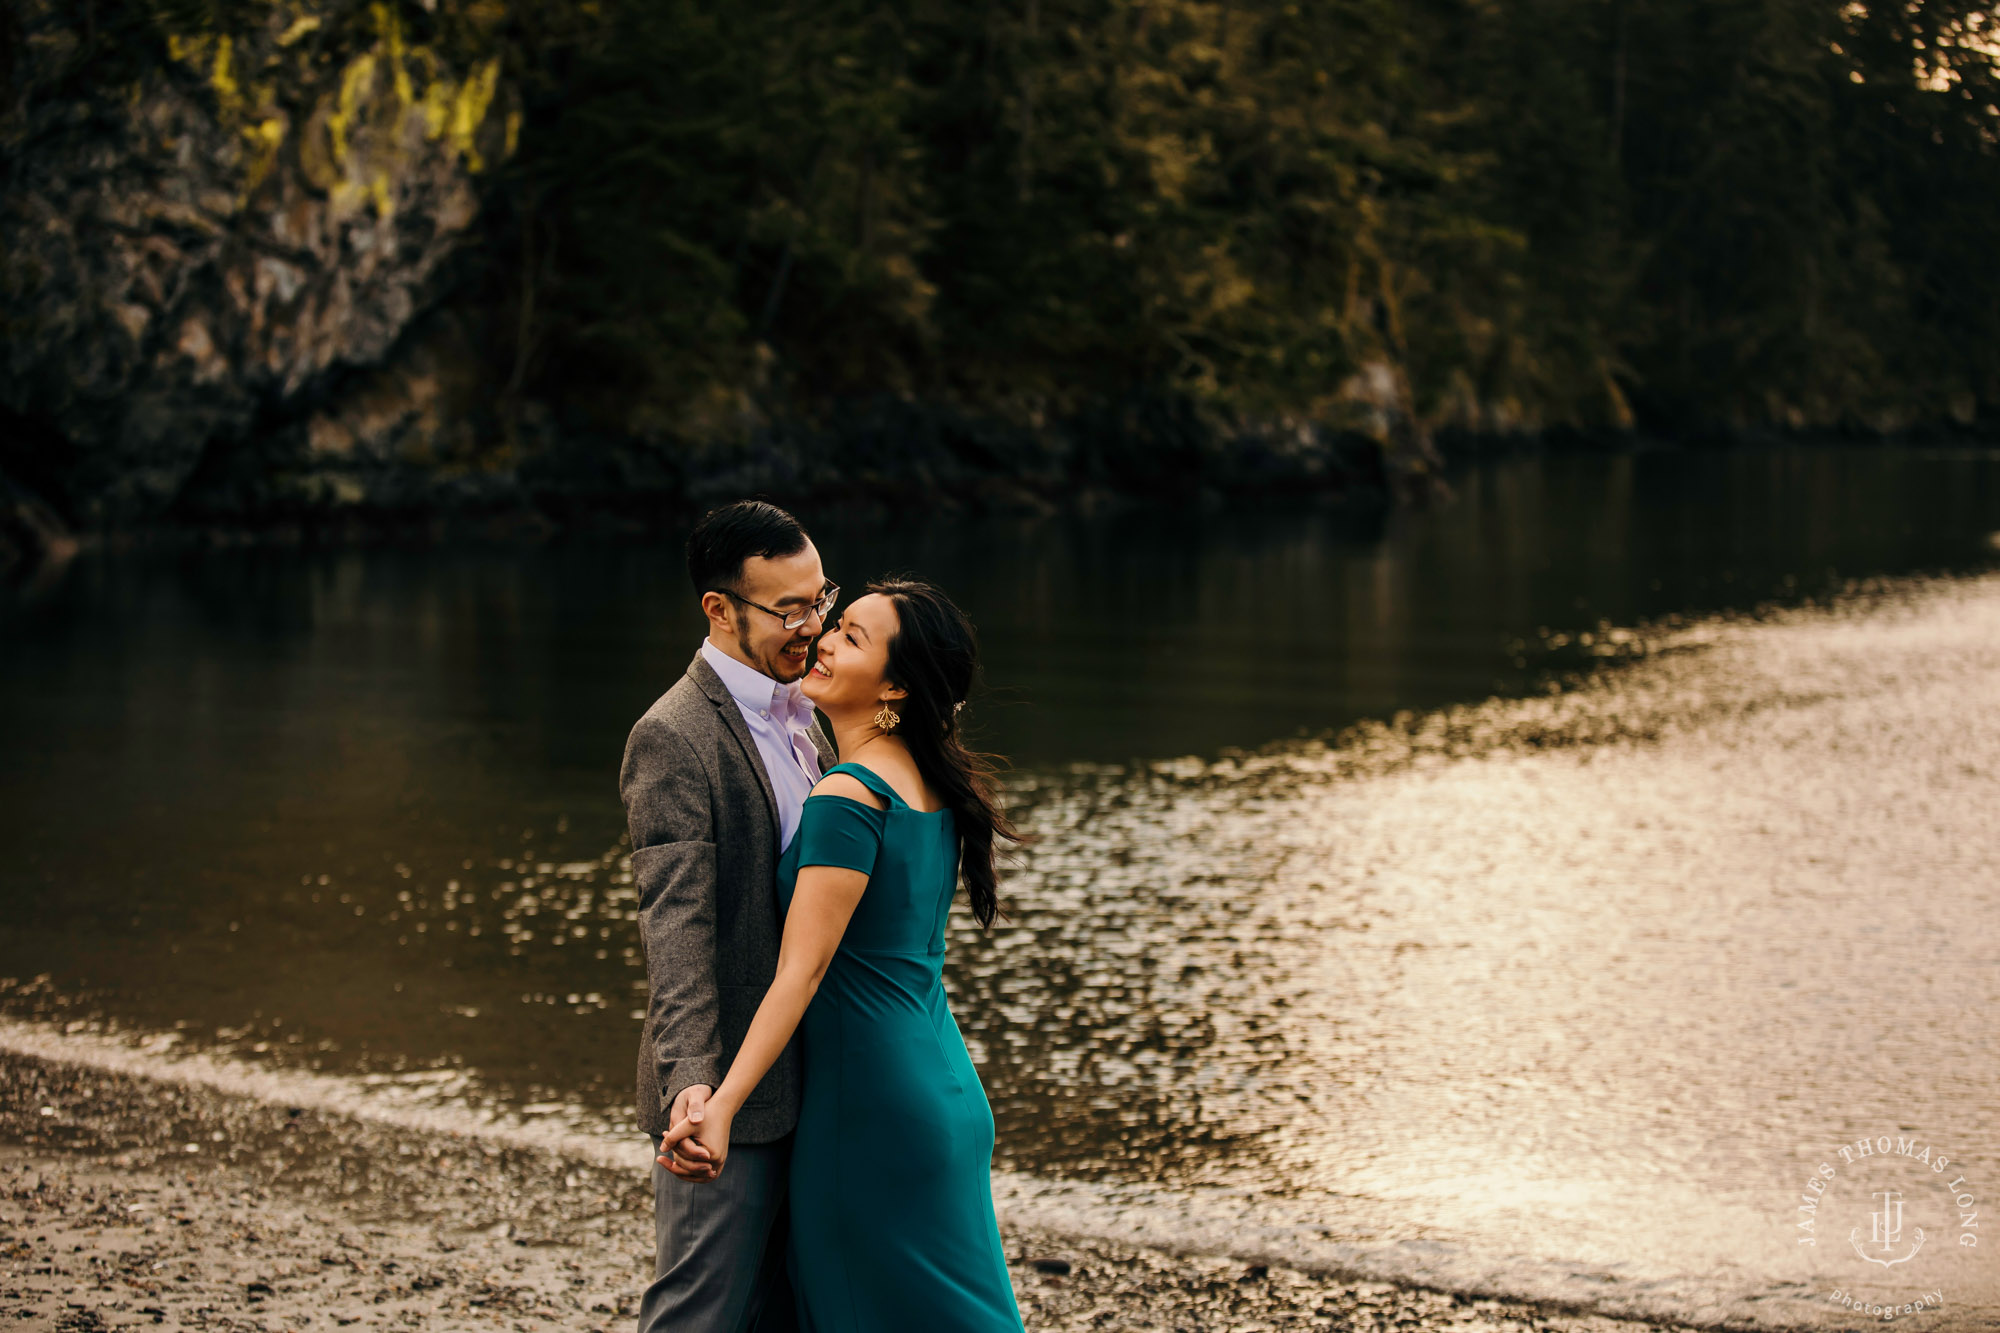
(886, 718)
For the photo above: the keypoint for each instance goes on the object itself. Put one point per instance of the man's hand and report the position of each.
(689, 1158)
(713, 1143)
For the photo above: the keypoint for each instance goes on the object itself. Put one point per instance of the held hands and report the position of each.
(698, 1142)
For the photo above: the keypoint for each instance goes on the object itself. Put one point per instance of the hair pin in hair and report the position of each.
(955, 707)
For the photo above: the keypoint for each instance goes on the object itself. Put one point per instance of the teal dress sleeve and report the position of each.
(840, 831)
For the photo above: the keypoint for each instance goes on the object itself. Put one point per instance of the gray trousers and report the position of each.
(720, 1263)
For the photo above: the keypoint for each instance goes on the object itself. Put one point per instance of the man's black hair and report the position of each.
(732, 534)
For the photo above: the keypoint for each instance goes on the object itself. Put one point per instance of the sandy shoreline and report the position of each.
(129, 1202)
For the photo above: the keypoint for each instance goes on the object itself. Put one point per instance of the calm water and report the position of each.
(1347, 939)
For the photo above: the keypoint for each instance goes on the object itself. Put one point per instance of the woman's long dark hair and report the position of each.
(934, 656)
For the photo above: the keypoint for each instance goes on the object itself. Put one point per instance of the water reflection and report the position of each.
(1590, 980)
(1466, 960)
(1216, 949)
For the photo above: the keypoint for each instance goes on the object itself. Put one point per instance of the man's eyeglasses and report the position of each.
(792, 619)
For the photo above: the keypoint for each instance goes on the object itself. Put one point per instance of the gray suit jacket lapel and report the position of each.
(827, 754)
(732, 717)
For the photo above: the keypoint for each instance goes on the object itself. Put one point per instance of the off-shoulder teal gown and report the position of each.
(892, 1226)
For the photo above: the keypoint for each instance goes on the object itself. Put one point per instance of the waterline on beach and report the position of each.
(1555, 997)
(1301, 1232)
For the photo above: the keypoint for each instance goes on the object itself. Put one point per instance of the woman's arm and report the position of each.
(822, 904)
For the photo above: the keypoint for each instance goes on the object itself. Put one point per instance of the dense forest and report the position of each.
(1583, 211)
(1459, 216)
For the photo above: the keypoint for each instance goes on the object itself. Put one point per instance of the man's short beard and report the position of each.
(774, 662)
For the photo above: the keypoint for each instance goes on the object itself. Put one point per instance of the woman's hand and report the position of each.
(708, 1128)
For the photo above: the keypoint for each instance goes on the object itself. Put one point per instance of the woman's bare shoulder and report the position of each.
(846, 784)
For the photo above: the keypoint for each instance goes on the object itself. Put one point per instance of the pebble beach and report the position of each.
(130, 1202)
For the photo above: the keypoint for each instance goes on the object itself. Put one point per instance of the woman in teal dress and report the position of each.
(892, 1224)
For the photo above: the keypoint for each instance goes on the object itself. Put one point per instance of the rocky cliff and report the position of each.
(241, 247)
(258, 214)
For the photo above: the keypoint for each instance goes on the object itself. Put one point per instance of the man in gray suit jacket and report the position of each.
(714, 777)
